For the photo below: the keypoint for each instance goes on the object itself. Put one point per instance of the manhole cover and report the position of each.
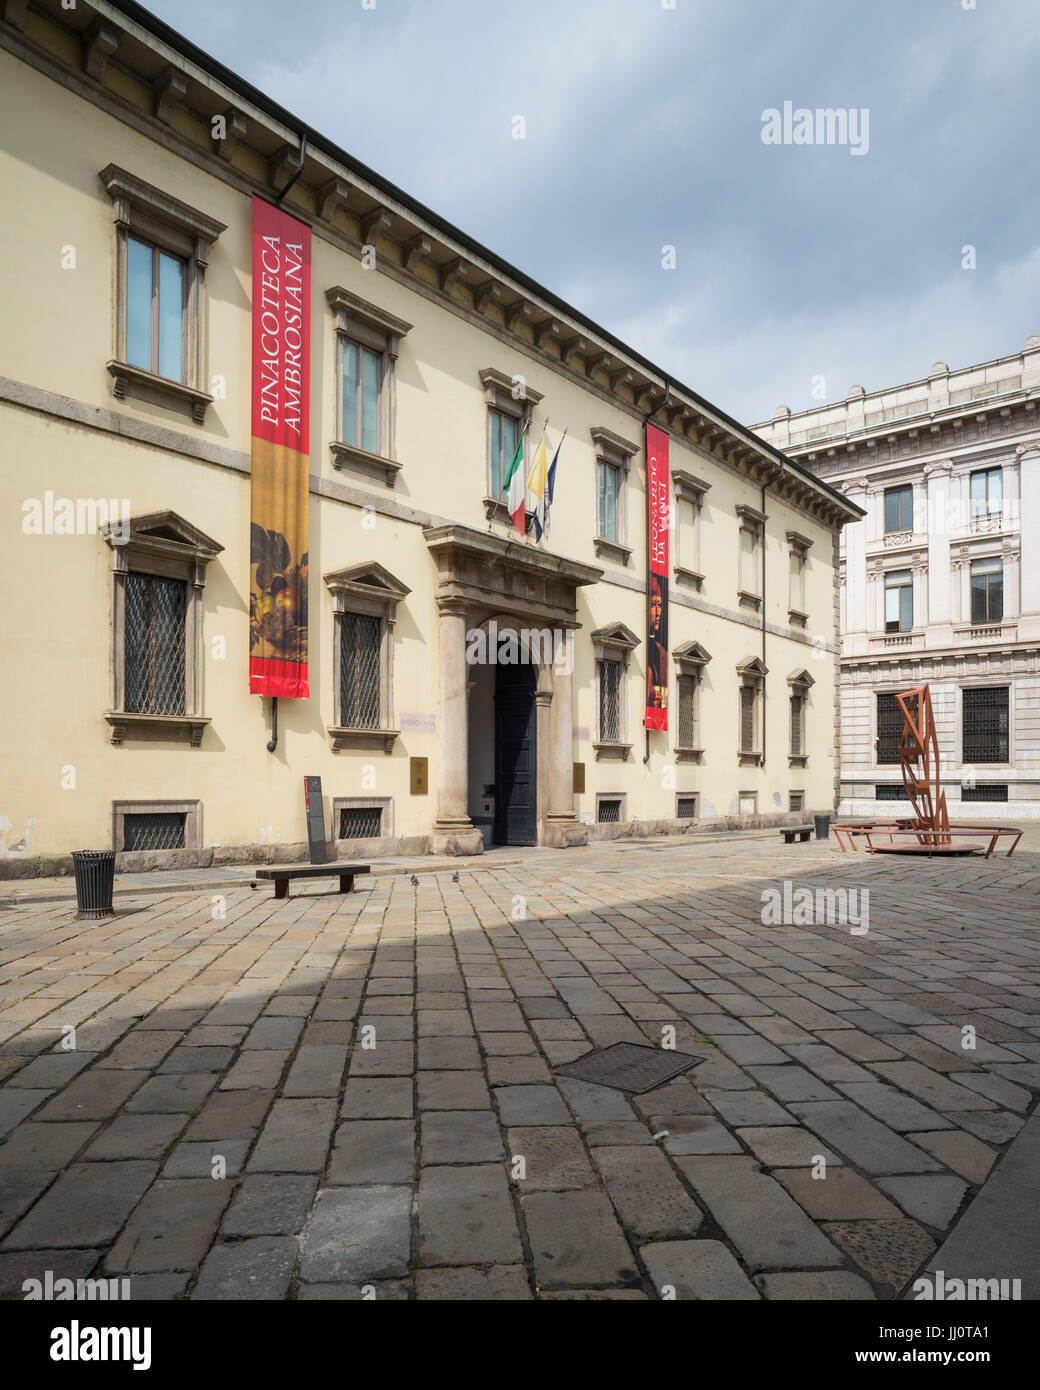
(628, 1066)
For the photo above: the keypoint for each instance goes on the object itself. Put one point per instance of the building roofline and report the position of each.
(176, 41)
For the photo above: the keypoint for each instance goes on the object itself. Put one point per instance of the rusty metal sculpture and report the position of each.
(928, 830)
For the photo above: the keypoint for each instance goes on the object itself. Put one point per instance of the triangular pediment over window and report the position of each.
(692, 654)
(370, 578)
(161, 530)
(616, 635)
(800, 677)
(752, 666)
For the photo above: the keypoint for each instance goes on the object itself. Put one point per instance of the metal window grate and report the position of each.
(360, 822)
(986, 724)
(686, 808)
(796, 725)
(890, 791)
(889, 729)
(992, 791)
(747, 718)
(608, 812)
(796, 801)
(687, 731)
(610, 701)
(154, 830)
(154, 642)
(359, 644)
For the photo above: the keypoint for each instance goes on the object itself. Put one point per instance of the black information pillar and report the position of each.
(315, 820)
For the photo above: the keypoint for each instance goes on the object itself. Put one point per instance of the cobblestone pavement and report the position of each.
(317, 1097)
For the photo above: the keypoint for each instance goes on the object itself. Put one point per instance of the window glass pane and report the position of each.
(996, 598)
(370, 401)
(891, 511)
(138, 304)
(978, 598)
(978, 494)
(496, 454)
(602, 499)
(508, 440)
(906, 608)
(171, 317)
(892, 605)
(996, 490)
(350, 385)
(612, 491)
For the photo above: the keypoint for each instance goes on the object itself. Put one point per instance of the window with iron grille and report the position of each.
(890, 791)
(610, 701)
(796, 801)
(797, 716)
(686, 808)
(747, 718)
(987, 590)
(889, 728)
(991, 791)
(686, 733)
(986, 725)
(360, 822)
(608, 810)
(360, 641)
(154, 830)
(154, 644)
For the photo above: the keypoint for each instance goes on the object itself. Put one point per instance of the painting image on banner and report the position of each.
(658, 512)
(278, 539)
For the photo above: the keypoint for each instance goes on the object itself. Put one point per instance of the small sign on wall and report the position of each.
(419, 770)
(315, 810)
(579, 777)
(418, 724)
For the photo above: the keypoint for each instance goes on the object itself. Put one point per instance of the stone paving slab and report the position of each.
(338, 1098)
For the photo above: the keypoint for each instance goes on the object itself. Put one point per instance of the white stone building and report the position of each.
(939, 582)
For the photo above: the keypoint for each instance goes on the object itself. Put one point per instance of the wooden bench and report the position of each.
(346, 874)
(790, 831)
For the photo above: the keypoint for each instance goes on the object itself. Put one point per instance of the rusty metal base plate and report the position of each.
(628, 1067)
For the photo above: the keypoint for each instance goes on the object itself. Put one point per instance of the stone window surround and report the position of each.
(751, 673)
(367, 325)
(185, 559)
(751, 796)
(985, 547)
(877, 568)
(612, 451)
(687, 487)
(754, 522)
(372, 591)
(192, 821)
(798, 545)
(695, 797)
(690, 659)
(1001, 680)
(615, 642)
(800, 683)
(622, 797)
(347, 803)
(144, 211)
(498, 395)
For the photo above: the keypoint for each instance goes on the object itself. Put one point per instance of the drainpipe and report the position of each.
(296, 173)
(273, 744)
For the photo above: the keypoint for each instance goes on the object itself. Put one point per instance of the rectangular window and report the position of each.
(890, 791)
(503, 447)
(154, 830)
(608, 810)
(155, 301)
(747, 718)
(687, 720)
(360, 822)
(899, 509)
(797, 581)
(986, 726)
(610, 701)
(992, 791)
(361, 372)
(154, 644)
(750, 559)
(686, 808)
(360, 641)
(797, 716)
(987, 590)
(796, 801)
(987, 492)
(609, 489)
(899, 601)
(889, 729)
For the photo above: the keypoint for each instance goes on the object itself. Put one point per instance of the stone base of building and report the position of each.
(644, 829)
(456, 837)
(565, 834)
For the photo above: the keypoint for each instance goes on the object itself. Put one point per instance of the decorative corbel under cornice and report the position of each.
(333, 194)
(168, 90)
(100, 40)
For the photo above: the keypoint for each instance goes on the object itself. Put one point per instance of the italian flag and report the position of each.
(514, 488)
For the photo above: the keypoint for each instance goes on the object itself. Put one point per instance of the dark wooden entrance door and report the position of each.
(515, 755)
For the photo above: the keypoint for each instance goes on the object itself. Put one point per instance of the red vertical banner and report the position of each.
(658, 512)
(278, 542)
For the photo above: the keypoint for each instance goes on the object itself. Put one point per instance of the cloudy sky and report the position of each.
(644, 123)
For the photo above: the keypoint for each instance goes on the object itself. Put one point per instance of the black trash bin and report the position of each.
(95, 871)
(823, 827)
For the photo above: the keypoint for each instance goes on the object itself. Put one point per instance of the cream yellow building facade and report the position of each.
(115, 129)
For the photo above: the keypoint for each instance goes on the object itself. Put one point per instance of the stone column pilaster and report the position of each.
(563, 829)
(453, 831)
